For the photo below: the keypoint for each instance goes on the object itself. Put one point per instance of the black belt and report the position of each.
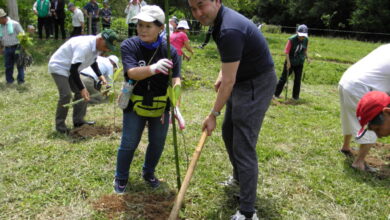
(13, 46)
(88, 76)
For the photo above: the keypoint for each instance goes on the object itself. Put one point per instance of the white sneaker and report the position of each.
(239, 216)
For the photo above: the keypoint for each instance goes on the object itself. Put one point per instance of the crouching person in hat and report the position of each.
(371, 73)
(107, 65)
(145, 62)
(296, 53)
(373, 113)
(9, 44)
(65, 64)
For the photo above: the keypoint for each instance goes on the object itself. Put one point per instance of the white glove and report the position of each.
(161, 66)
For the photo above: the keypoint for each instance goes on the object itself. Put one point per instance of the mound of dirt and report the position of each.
(379, 157)
(136, 205)
(86, 131)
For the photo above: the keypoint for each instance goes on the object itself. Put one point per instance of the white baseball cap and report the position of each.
(150, 13)
(183, 24)
(114, 59)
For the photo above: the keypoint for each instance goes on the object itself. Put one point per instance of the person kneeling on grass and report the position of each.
(144, 59)
(373, 110)
(107, 65)
(371, 73)
(65, 65)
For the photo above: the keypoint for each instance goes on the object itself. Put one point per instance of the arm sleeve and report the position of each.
(288, 47)
(19, 28)
(81, 17)
(129, 58)
(79, 54)
(35, 6)
(96, 69)
(175, 59)
(75, 76)
(231, 46)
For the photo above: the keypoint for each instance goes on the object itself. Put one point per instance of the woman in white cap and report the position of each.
(145, 63)
(296, 53)
(179, 39)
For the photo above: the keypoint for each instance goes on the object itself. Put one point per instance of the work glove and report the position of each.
(161, 66)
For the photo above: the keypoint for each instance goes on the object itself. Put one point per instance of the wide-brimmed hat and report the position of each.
(303, 31)
(183, 24)
(150, 13)
(2, 13)
(110, 37)
(114, 59)
(369, 106)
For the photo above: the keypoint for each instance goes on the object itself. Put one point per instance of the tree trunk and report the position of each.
(13, 10)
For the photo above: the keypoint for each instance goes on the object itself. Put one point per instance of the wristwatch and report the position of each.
(215, 113)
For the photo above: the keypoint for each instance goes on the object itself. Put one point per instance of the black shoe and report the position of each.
(120, 186)
(76, 125)
(63, 131)
(151, 179)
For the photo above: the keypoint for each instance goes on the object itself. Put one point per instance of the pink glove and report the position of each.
(161, 66)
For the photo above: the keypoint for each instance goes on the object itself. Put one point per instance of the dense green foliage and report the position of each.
(356, 15)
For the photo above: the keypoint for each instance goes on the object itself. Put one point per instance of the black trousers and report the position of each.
(59, 24)
(76, 32)
(43, 23)
(106, 26)
(131, 29)
(297, 80)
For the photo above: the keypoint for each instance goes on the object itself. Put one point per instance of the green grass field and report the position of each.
(45, 175)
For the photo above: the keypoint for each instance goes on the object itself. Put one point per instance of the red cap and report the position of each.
(369, 106)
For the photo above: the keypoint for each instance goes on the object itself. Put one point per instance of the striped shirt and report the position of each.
(8, 40)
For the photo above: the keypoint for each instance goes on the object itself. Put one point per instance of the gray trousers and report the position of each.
(95, 95)
(65, 90)
(245, 111)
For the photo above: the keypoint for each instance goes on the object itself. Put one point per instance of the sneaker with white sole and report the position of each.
(239, 216)
(151, 179)
(120, 186)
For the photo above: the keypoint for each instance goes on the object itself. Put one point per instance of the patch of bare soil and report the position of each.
(87, 131)
(285, 102)
(136, 205)
(379, 157)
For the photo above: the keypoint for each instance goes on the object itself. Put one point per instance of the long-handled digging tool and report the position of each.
(180, 196)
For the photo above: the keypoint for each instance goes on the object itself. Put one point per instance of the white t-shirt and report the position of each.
(77, 18)
(81, 49)
(372, 73)
(105, 67)
(132, 10)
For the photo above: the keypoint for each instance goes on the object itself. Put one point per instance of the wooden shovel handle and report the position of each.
(180, 196)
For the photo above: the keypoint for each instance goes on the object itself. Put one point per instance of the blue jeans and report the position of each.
(133, 126)
(10, 58)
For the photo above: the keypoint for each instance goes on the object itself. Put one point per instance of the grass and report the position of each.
(45, 175)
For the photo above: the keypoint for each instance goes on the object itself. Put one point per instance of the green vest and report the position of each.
(297, 51)
(43, 10)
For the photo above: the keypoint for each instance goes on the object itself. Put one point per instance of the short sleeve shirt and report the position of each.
(136, 55)
(81, 49)
(371, 73)
(238, 39)
(92, 8)
(8, 39)
(177, 40)
(105, 67)
(77, 18)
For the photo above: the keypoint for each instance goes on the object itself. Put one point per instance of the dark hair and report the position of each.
(378, 120)
(158, 23)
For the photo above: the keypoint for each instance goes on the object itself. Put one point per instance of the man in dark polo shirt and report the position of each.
(245, 83)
